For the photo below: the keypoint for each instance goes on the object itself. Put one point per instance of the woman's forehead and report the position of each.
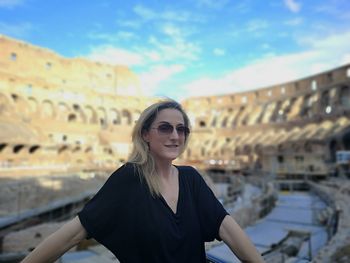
(169, 115)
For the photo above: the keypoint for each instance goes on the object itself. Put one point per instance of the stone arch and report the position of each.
(346, 140)
(274, 116)
(306, 107)
(5, 103)
(21, 105)
(80, 113)
(2, 146)
(63, 111)
(114, 116)
(47, 110)
(325, 100)
(201, 123)
(237, 150)
(308, 147)
(258, 149)
(246, 149)
(333, 147)
(17, 148)
(102, 116)
(88, 149)
(33, 149)
(126, 117)
(224, 122)
(63, 149)
(237, 117)
(33, 105)
(345, 96)
(91, 114)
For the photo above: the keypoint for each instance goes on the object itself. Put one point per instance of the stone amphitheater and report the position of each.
(65, 124)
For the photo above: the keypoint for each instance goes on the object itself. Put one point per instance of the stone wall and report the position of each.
(17, 196)
(336, 193)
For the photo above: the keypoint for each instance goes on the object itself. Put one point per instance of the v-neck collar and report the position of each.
(178, 197)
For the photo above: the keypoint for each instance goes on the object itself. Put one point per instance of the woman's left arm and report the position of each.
(233, 236)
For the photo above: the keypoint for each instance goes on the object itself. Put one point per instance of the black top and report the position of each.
(136, 227)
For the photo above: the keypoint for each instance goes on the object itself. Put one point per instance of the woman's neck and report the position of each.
(165, 170)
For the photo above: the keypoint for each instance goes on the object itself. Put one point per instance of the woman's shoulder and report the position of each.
(186, 168)
(124, 172)
(189, 172)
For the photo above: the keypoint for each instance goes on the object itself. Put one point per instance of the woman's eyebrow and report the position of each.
(164, 122)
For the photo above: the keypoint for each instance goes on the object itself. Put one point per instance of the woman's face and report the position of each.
(166, 136)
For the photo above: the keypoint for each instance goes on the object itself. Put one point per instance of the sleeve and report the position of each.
(210, 210)
(100, 215)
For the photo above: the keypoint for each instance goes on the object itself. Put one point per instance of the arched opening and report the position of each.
(332, 151)
(72, 117)
(307, 106)
(345, 96)
(62, 149)
(346, 140)
(102, 117)
(4, 103)
(91, 115)
(326, 102)
(33, 105)
(2, 146)
(18, 148)
(33, 149)
(126, 117)
(63, 111)
(47, 109)
(115, 116)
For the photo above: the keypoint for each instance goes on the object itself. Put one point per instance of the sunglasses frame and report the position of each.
(184, 130)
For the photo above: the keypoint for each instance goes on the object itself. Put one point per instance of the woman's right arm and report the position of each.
(54, 246)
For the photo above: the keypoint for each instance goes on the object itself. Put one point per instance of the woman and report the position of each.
(150, 210)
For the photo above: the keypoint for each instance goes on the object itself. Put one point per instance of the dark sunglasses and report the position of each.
(167, 129)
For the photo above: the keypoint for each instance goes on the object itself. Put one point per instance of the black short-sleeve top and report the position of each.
(136, 227)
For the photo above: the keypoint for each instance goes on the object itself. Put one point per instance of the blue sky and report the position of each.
(191, 47)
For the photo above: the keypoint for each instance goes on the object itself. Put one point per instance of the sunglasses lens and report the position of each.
(182, 130)
(165, 128)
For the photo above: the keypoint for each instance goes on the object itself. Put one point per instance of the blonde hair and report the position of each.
(140, 157)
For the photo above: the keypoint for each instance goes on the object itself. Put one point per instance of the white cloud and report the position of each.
(151, 79)
(144, 12)
(219, 52)
(177, 49)
(321, 54)
(10, 3)
(292, 5)
(148, 14)
(120, 35)
(115, 56)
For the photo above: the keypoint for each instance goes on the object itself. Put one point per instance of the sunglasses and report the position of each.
(167, 129)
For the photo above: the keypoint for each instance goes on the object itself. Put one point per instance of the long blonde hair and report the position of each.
(140, 157)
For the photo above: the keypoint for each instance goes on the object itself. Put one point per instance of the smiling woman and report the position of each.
(150, 210)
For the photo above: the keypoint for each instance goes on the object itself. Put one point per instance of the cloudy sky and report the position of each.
(191, 47)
